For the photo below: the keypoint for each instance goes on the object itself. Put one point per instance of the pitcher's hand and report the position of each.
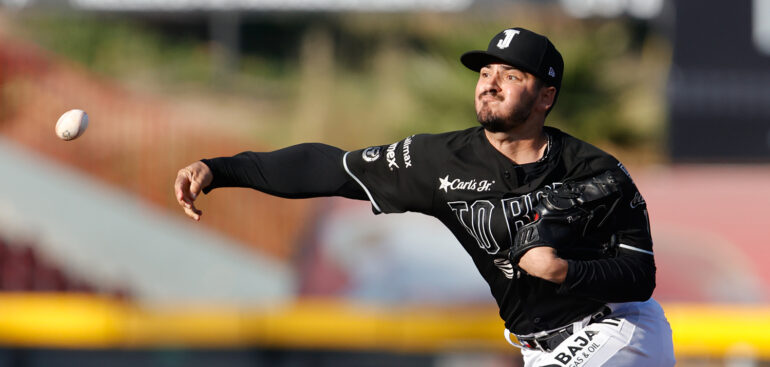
(189, 183)
(542, 262)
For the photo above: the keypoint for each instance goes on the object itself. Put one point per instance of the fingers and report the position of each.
(186, 189)
(188, 185)
(193, 212)
(182, 188)
(195, 189)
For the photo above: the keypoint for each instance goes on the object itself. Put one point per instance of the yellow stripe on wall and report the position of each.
(720, 330)
(87, 321)
(62, 321)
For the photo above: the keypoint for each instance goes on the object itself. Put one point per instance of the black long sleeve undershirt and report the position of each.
(628, 277)
(315, 170)
(300, 171)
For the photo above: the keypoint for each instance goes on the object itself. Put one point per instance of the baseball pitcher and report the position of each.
(554, 225)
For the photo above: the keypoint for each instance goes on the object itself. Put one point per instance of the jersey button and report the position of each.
(536, 320)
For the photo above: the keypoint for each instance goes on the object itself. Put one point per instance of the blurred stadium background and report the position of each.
(98, 266)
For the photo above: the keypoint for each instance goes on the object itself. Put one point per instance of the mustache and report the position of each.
(491, 93)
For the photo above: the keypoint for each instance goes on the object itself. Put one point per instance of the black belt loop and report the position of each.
(604, 312)
(550, 341)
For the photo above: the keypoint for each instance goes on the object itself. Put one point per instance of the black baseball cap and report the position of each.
(523, 49)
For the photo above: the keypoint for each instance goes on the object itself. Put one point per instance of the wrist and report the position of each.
(557, 271)
(206, 170)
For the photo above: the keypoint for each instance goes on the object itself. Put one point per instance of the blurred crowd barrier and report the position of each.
(23, 269)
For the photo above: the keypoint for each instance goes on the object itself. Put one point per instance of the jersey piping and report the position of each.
(345, 164)
(632, 248)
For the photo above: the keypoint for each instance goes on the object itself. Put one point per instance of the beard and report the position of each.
(496, 123)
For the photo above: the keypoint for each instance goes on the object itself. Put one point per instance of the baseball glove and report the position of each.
(566, 215)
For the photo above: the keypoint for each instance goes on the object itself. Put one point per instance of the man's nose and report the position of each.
(490, 84)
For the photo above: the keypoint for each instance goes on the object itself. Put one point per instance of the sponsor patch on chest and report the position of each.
(446, 184)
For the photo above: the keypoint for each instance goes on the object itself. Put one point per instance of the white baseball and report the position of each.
(71, 124)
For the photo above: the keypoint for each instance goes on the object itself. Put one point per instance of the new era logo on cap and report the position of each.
(551, 72)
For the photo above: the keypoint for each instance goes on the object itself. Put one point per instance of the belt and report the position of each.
(550, 340)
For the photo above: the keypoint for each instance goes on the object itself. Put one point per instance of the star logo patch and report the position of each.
(445, 183)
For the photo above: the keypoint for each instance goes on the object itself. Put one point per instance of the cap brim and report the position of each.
(475, 60)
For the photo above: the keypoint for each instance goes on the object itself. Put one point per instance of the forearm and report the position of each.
(625, 278)
(300, 171)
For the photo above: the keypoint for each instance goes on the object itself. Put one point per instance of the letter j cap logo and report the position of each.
(506, 41)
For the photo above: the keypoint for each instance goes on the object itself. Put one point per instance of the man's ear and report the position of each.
(546, 97)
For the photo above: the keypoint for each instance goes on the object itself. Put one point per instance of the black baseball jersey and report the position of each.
(483, 198)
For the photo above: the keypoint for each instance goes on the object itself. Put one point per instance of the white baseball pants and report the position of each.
(635, 334)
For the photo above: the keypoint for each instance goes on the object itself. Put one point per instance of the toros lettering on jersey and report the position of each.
(493, 228)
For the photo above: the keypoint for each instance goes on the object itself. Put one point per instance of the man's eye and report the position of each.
(512, 77)
(484, 74)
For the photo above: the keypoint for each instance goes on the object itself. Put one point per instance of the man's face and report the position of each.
(505, 97)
